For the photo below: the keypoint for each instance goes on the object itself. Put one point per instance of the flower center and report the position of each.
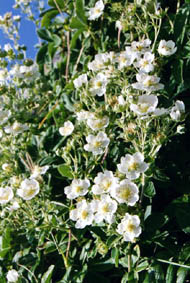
(125, 193)
(133, 166)
(78, 189)
(84, 214)
(106, 184)
(97, 144)
(143, 107)
(105, 208)
(130, 227)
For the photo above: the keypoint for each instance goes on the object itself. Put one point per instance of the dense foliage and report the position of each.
(95, 143)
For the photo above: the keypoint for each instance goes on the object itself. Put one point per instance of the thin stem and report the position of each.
(157, 31)
(28, 271)
(68, 56)
(173, 263)
(78, 59)
(142, 191)
(58, 8)
(69, 244)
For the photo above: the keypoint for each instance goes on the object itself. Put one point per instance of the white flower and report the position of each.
(67, 129)
(160, 111)
(146, 63)
(97, 124)
(166, 48)
(104, 209)
(82, 79)
(6, 194)
(124, 59)
(16, 128)
(146, 104)
(77, 188)
(129, 227)
(177, 110)
(16, 18)
(38, 171)
(98, 84)
(6, 167)
(4, 116)
(84, 115)
(15, 205)
(83, 214)
(29, 189)
(104, 183)
(141, 46)
(3, 75)
(132, 165)
(12, 275)
(121, 100)
(97, 11)
(126, 192)
(7, 47)
(97, 144)
(100, 61)
(147, 82)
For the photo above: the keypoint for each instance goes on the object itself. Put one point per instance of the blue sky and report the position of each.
(28, 35)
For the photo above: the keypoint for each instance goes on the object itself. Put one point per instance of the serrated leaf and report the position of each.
(65, 171)
(48, 275)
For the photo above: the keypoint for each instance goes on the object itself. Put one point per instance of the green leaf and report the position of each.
(56, 40)
(80, 10)
(60, 3)
(76, 23)
(65, 171)
(170, 274)
(142, 266)
(180, 24)
(149, 190)
(5, 243)
(48, 274)
(40, 57)
(44, 34)
(177, 70)
(75, 37)
(48, 16)
(181, 274)
(115, 256)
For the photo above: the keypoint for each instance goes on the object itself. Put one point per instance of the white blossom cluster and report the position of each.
(99, 202)
(139, 56)
(107, 194)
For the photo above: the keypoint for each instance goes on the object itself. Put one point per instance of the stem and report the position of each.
(58, 8)
(142, 191)
(35, 279)
(129, 258)
(157, 31)
(173, 263)
(69, 244)
(68, 56)
(78, 59)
